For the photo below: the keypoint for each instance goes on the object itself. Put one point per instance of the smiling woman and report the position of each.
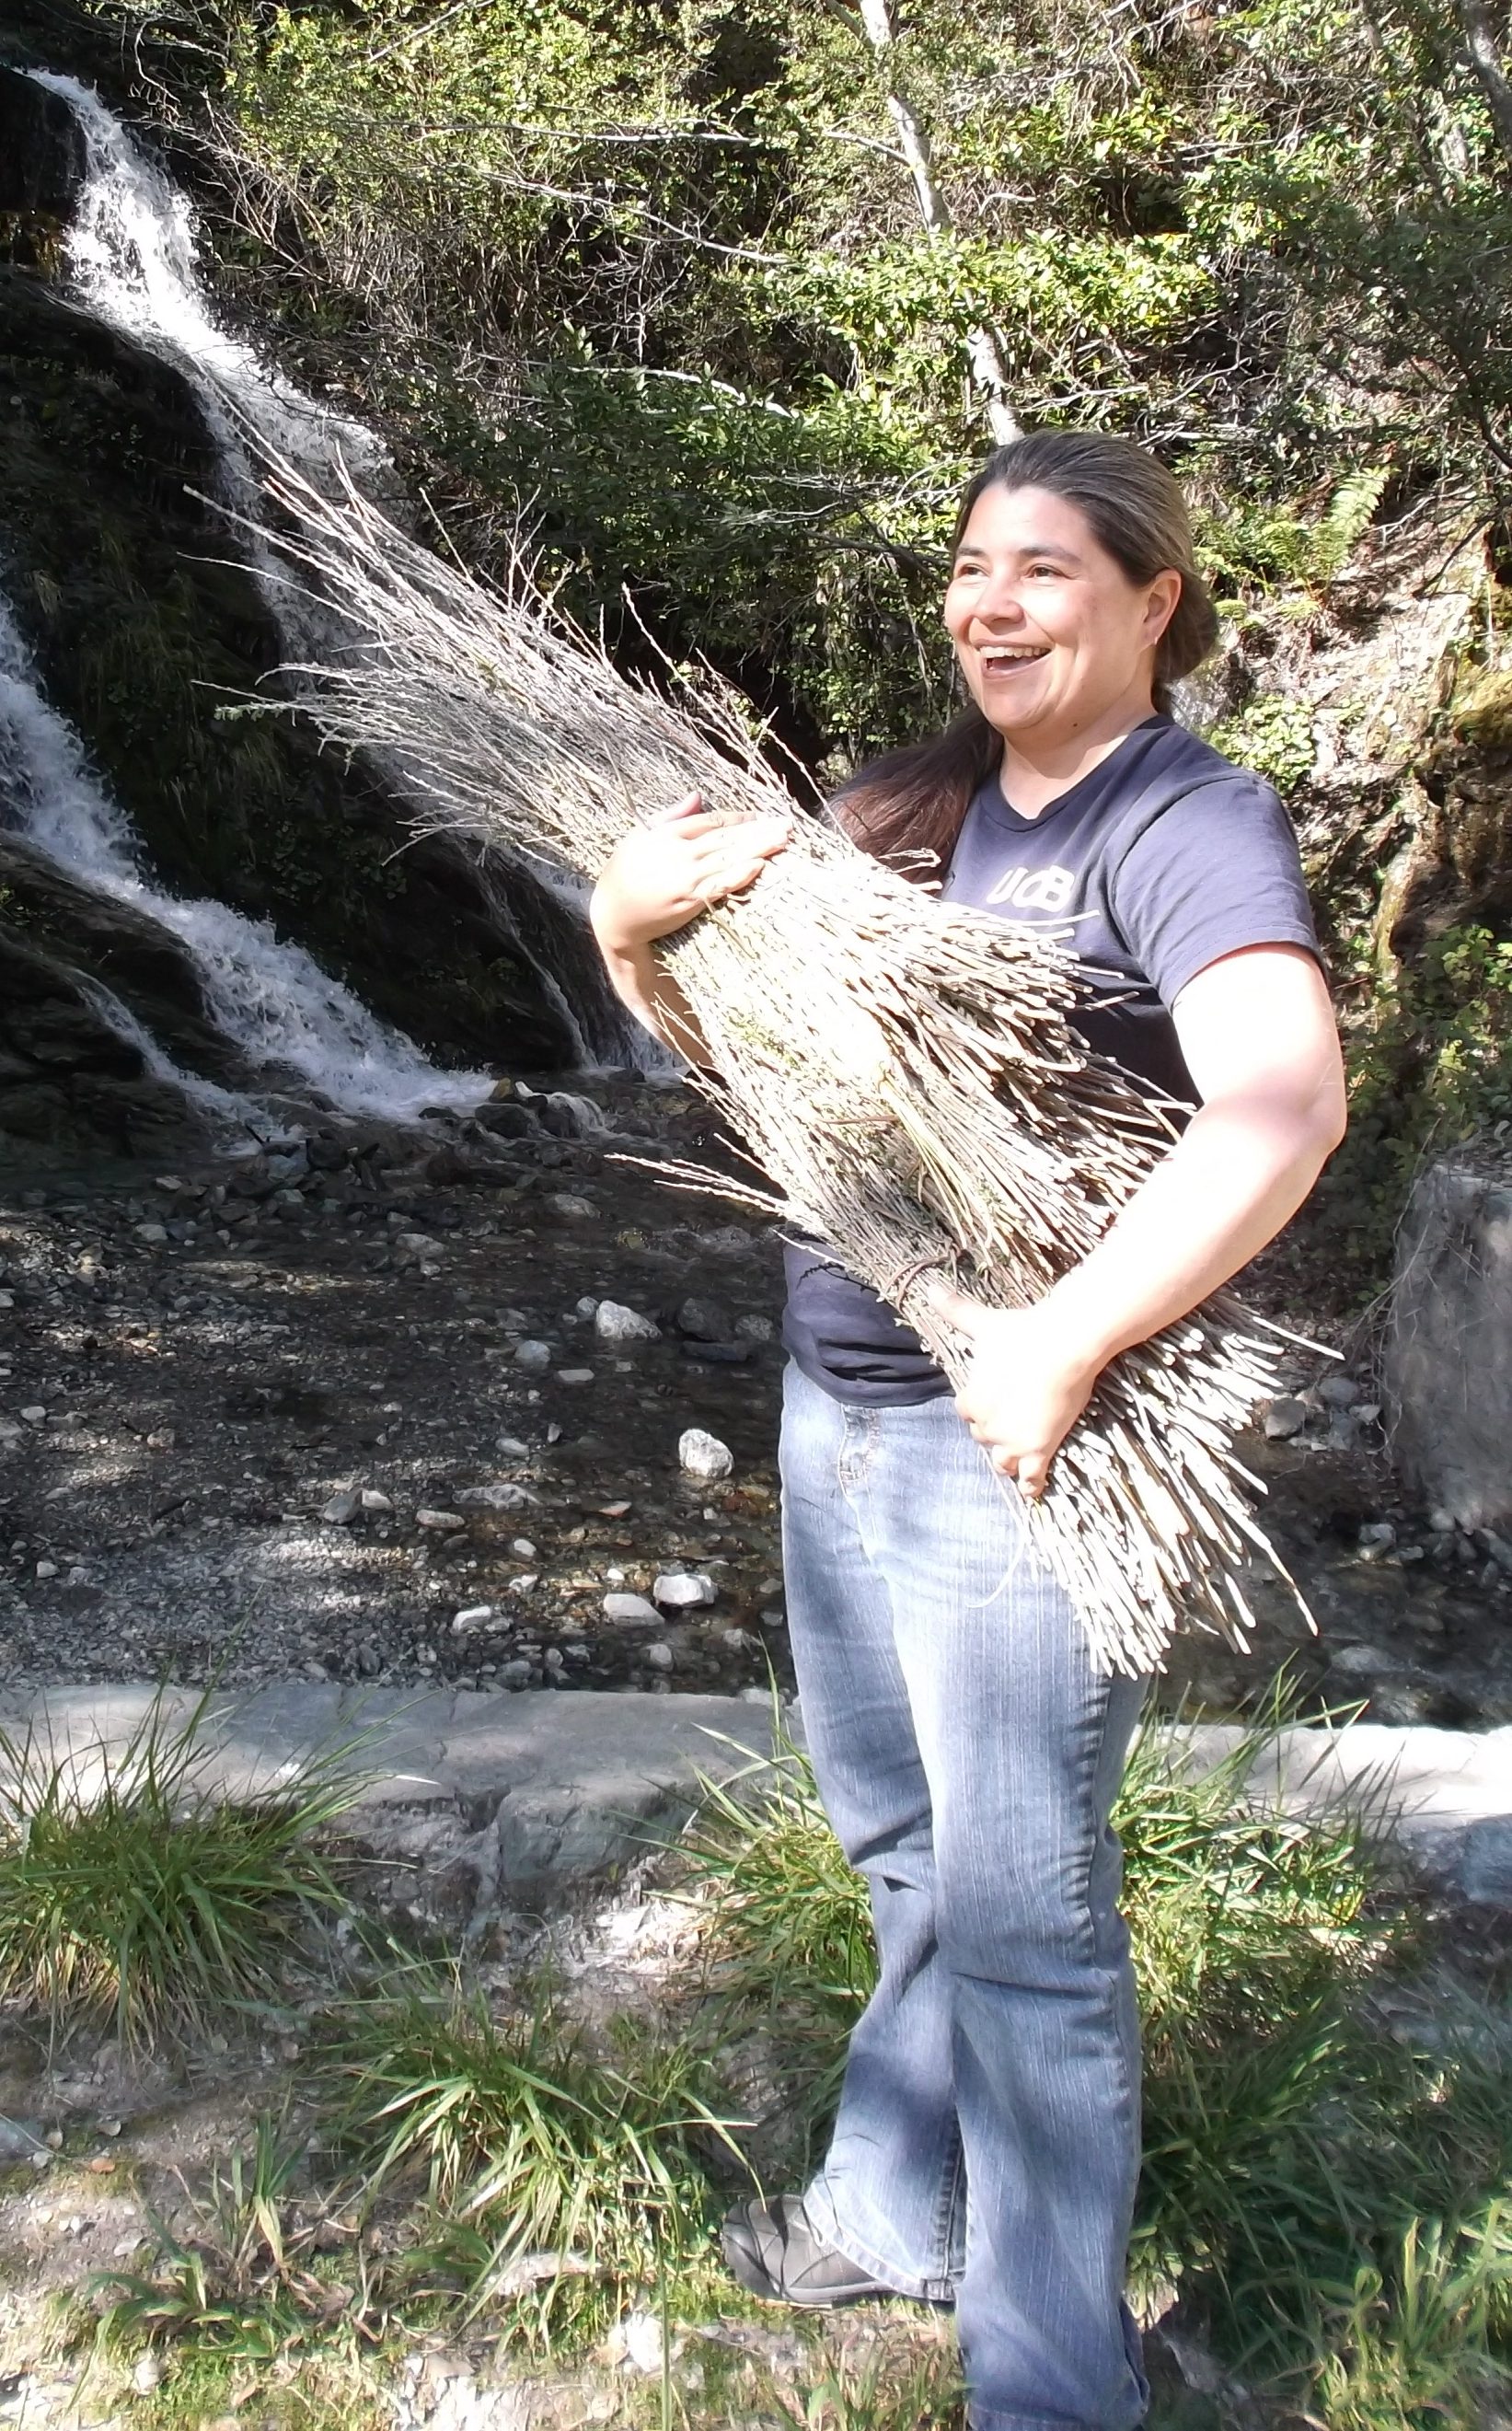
(968, 1746)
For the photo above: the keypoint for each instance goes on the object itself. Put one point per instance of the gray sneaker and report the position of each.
(775, 2253)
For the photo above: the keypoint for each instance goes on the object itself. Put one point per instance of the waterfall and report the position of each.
(289, 1017)
(130, 252)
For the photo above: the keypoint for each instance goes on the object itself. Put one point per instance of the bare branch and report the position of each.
(984, 344)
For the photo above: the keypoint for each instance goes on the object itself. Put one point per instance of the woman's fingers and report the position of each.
(690, 807)
(1030, 1470)
(731, 859)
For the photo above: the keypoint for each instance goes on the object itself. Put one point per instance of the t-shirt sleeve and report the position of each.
(1216, 871)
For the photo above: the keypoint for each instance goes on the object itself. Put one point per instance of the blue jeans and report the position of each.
(968, 1752)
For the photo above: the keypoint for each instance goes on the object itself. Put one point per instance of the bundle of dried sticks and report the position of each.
(903, 1070)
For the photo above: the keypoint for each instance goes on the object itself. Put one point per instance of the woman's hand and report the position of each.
(1028, 1383)
(660, 877)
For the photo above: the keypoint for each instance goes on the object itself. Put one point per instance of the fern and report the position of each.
(1348, 514)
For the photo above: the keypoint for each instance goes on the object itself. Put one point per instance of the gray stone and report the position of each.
(705, 1320)
(1361, 1662)
(660, 1655)
(376, 1501)
(614, 1322)
(441, 1523)
(1338, 1392)
(535, 1357)
(630, 1608)
(503, 1496)
(755, 1328)
(681, 1590)
(1449, 1342)
(575, 1375)
(703, 1455)
(342, 1508)
(1286, 1416)
(567, 1780)
(1486, 1862)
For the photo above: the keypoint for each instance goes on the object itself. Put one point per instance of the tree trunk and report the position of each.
(1486, 59)
(984, 344)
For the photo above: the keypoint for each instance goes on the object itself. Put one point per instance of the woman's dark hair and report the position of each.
(911, 802)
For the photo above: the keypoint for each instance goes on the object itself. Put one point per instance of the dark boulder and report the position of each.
(68, 1082)
(41, 149)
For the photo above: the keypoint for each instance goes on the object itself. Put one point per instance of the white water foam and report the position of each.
(272, 1000)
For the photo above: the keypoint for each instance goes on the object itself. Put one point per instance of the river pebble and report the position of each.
(703, 1455)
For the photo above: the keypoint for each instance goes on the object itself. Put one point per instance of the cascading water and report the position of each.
(130, 251)
(130, 254)
(287, 1016)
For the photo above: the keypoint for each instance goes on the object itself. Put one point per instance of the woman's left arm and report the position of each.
(1257, 1031)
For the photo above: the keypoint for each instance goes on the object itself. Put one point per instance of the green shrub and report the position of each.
(1429, 1060)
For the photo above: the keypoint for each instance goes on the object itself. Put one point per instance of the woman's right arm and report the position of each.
(656, 881)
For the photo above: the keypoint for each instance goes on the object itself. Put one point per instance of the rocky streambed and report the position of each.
(409, 1407)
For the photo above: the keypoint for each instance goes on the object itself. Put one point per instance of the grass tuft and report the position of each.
(133, 1892)
(885, 2392)
(789, 1925)
(549, 2181)
(253, 2282)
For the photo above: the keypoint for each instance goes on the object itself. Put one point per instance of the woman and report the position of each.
(968, 1749)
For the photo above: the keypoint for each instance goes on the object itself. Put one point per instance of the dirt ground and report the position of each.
(194, 1364)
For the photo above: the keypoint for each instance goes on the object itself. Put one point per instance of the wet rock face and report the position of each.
(67, 1078)
(41, 150)
(118, 574)
(114, 943)
(1448, 1353)
(67, 1081)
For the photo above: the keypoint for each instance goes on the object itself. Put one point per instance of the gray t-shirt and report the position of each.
(1162, 860)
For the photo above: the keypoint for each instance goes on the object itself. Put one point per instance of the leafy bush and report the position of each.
(661, 277)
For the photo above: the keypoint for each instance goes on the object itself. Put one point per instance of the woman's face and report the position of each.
(1051, 634)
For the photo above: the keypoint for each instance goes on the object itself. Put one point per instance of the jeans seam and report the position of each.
(1128, 2108)
(949, 2247)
